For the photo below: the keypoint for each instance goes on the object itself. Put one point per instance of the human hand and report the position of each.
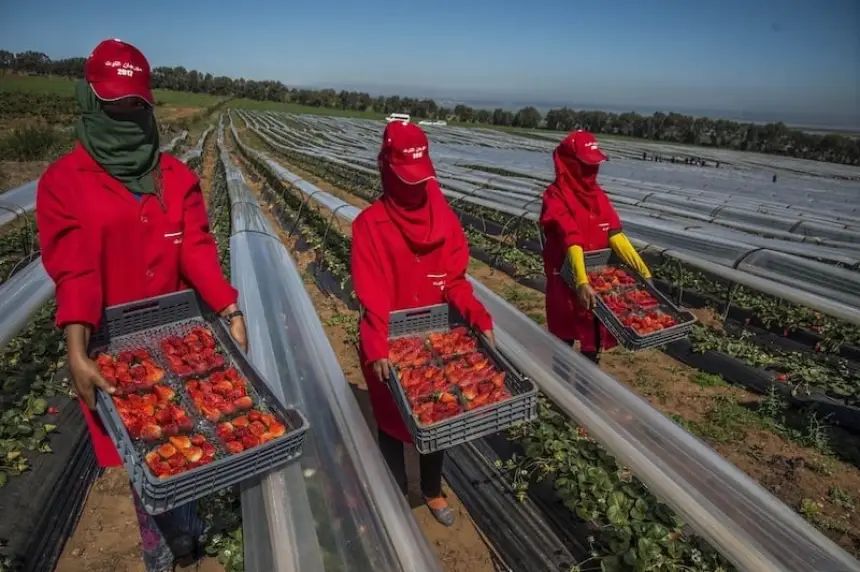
(586, 295)
(86, 377)
(239, 332)
(382, 369)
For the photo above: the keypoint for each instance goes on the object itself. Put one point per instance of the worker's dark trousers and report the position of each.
(559, 367)
(430, 466)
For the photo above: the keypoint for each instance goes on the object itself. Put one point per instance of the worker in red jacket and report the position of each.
(120, 221)
(576, 218)
(408, 251)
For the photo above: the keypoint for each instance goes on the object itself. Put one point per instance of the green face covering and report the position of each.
(126, 146)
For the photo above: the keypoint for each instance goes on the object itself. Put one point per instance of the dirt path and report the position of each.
(460, 548)
(107, 538)
(792, 463)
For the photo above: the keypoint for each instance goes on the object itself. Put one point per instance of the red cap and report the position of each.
(407, 151)
(583, 146)
(116, 70)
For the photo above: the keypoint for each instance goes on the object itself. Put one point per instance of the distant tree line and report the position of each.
(773, 138)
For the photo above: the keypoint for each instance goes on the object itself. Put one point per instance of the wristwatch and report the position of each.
(233, 315)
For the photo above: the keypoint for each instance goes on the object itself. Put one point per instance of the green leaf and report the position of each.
(39, 406)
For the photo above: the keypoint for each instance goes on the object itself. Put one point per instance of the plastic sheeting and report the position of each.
(21, 297)
(339, 506)
(741, 519)
(724, 234)
(736, 515)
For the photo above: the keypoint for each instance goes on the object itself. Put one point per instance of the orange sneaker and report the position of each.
(440, 510)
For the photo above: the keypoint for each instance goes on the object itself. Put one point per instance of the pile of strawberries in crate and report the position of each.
(444, 374)
(635, 307)
(223, 419)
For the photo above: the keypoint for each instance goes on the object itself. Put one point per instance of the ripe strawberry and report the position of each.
(224, 430)
(250, 441)
(177, 461)
(208, 450)
(243, 403)
(277, 429)
(222, 387)
(180, 441)
(256, 428)
(234, 447)
(150, 432)
(193, 454)
(167, 450)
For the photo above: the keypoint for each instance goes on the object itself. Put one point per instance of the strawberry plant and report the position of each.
(30, 374)
(331, 246)
(771, 312)
(18, 243)
(836, 376)
(221, 512)
(632, 530)
(219, 217)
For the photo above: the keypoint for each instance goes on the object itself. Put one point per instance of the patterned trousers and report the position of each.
(159, 532)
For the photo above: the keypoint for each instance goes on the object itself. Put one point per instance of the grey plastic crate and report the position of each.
(520, 407)
(144, 322)
(624, 335)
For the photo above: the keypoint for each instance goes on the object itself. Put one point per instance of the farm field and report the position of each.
(699, 400)
(36, 114)
(768, 383)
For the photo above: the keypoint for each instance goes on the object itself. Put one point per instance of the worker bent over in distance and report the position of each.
(408, 251)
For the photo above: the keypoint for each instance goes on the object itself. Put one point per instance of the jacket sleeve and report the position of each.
(69, 259)
(458, 292)
(369, 283)
(198, 257)
(557, 220)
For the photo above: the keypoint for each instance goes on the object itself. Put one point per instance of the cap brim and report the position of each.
(117, 90)
(592, 157)
(415, 173)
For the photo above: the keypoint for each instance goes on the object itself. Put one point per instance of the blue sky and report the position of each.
(782, 56)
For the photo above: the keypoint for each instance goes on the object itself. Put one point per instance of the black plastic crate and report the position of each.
(142, 325)
(625, 336)
(486, 420)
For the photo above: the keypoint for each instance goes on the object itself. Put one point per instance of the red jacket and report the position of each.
(388, 276)
(564, 227)
(102, 246)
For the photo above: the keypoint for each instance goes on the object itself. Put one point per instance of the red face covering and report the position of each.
(414, 209)
(577, 181)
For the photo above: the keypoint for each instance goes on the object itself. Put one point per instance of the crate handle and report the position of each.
(417, 313)
(139, 308)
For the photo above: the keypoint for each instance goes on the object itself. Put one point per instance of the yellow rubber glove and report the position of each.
(577, 260)
(621, 246)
